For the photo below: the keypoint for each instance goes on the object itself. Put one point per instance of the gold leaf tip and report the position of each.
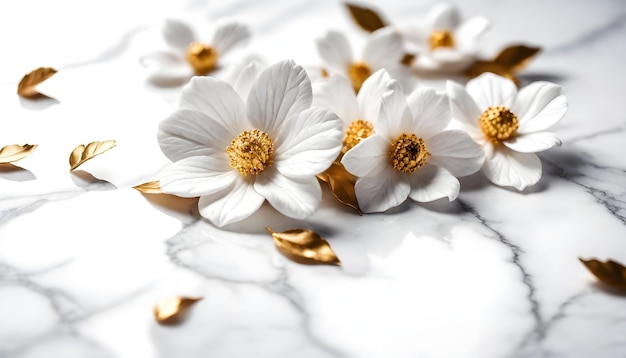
(171, 310)
(610, 272)
(26, 87)
(304, 246)
(14, 152)
(83, 153)
(365, 17)
(152, 187)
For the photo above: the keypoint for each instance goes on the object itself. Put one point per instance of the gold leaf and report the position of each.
(408, 59)
(341, 184)
(610, 272)
(26, 87)
(366, 18)
(14, 152)
(304, 246)
(172, 309)
(83, 153)
(507, 63)
(152, 187)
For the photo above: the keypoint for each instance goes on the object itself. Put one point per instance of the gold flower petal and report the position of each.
(83, 153)
(151, 187)
(171, 310)
(26, 87)
(507, 63)
(14, 152)
(366, 18)
(610, 272)
(341, 184)
(304, 246)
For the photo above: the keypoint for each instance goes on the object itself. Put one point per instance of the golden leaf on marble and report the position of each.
(408, 59)
(304, 246)
(151, 187)
(14, 152)
(609, 272)
(366, 18)
(26, 87)
(83, 153)
(172, 309)
(507, 63)
(341, 184)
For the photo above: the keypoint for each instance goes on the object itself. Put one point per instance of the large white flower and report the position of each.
(443, 42)
(411, 155)
(235, 155)
(188, 55)
(358, 112)
(510, 125)
(384, 48)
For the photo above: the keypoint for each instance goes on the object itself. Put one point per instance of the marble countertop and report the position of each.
(493, 274)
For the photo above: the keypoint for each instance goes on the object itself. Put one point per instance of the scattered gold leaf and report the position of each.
(83, 153)
(152, 187)
(408, 59)
(172, 309)
(366, 18)
(610, 272)
(304, 246)
(26, 87)
(341, 184)
(507, 63)
(14, 152)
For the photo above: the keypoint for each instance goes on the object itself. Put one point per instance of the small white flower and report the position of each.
(443, 42)
(411, 155)
(188, 55)
(358, 112)
(510, 125)
(235, 155)
(384, 48)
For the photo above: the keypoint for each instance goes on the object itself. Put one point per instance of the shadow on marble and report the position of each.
(606, 289)
(87, 181)
(38, 103)
(183, 209)
(15, 173)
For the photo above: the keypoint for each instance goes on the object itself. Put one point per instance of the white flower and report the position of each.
(443, 42)
(384, 48)
(358, 112)
(189, 56)
(411, 155)
(510, 125)
(235, 155)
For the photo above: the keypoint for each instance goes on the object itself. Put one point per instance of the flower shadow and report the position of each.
(15, 173)
(183, 209)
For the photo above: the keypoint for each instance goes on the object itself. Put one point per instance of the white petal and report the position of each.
(468, 34)
(384, 191)
(490, 90)
(296, 198)
(218, 100)
(444, 17)
(188, 133)
(309, 143)
(370, 95)
(368, 158)
(335, 50)
(395, 117)
(178, 34)
(539, 106)
(167, 69)
(228, 36)
(404, 75)
(464, 108)
(246, 78)
(383, 47)
(431, 182)
(430, 111)
(533, 142)
(232, 204)
(337, 95)
(505, 167)
(280, 91)
(197, 176)
(455, 151)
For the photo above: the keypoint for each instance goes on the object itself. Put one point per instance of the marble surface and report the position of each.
(493, 274)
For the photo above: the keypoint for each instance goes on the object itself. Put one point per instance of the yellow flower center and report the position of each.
(358, 73)
(442, 38)
(408, 153)
(498, 123)
(250, 152)
(201, 57)
(357, 130)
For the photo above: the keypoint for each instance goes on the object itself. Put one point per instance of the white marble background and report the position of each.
(494, 274)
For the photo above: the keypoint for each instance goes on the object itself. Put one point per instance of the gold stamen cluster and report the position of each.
(358, 73)
(442, 38)
(357, 130)
(201, 57)
(408, 153)
(498, 123)
(251, 152)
